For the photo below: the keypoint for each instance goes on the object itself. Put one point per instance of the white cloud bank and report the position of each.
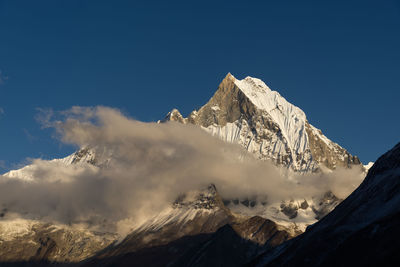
(151, 165)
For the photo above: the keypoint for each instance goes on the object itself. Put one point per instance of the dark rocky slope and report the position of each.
(361, 231)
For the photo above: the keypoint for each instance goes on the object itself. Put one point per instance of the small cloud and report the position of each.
(1, 111)
(44, 116)
(4, 167)
(2, 164)
(28, 135)
(3, 77)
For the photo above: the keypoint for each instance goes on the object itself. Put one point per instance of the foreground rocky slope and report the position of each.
(198, 231)
(362, 230)
(249, 113)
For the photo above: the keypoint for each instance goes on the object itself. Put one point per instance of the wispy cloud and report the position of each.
(44, 116)
(3, 77)
(5, 166)
(28, 135)
(2, 164)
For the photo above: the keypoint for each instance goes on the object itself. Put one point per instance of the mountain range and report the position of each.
(201, 228)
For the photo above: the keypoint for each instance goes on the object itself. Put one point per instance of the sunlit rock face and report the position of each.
(249, 113)
(24, 240)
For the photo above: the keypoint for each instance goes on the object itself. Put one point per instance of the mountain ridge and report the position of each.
(249, 113)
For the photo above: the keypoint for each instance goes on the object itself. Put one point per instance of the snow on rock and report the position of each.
(249, 113)
(368, 166)
(291, 119)
(84, 157)
(17, 227)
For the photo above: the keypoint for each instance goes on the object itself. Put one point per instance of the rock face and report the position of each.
(34, 241)
(362, 230)
(264, 123)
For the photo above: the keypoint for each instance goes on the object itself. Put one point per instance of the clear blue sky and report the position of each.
(337, 60)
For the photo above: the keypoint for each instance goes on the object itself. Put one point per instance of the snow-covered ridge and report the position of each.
(80, 158)
(291, 119)
(368, 166)
(264, 123)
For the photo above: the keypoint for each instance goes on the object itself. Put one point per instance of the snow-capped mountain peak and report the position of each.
(291, 119)
(249, 113)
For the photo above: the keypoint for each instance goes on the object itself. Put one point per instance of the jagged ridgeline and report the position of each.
(249, 113)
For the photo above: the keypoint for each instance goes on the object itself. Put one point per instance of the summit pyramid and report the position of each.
(249, 113)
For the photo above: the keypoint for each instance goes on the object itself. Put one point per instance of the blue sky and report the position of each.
(337, 60)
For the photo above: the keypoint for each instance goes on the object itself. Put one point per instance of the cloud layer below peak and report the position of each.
(145, 167)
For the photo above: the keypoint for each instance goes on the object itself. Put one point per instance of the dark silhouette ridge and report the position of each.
(363, 230)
